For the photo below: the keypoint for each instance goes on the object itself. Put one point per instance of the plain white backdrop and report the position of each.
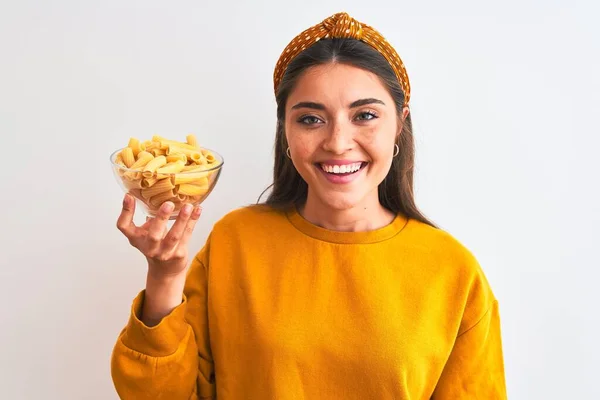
(505, 109)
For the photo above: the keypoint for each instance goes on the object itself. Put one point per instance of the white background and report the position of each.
(505, 106)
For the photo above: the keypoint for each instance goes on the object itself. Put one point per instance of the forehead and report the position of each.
(335, 82)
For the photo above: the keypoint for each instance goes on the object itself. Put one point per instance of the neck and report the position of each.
(367, 215)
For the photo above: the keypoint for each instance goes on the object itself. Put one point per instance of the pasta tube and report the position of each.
(132, 183)
(128, 157)
(182, 197)
(143, 158)
(194, 167)
(195, 178)
(192, 190)
(158, 152)
(191, 140)
(159, 187)
(165, 143)
(136, 146)
(192, 154)
(171, 168)
(147, 182)
(119, 161)
(177, 156)
(160, 198)
(210, 158)
(153, 165)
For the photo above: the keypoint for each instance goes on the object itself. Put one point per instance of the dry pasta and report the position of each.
(136, 146)
(153, 165)
(160, 170)
(192, 190)
(171, 168)
(162, 185)
(147, 182)
(160, 198)
(142, 159)
(177, 156)
(158, 152)
(191, 140)
(128, 157)
(199, 179)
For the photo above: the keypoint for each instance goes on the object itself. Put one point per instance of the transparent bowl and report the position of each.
(186, 187)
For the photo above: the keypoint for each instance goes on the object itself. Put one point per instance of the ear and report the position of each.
(405, 112)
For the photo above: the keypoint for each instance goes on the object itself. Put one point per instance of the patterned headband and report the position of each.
(341, 25)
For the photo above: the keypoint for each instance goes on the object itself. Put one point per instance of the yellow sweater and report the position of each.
(278, 308)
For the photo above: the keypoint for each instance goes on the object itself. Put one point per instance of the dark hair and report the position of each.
(396, 190)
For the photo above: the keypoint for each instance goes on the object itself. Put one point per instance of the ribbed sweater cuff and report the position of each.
(160, 340)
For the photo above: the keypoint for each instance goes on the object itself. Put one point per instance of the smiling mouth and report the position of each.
(342, 170)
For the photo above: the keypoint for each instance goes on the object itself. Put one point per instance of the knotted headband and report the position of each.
(341, 25)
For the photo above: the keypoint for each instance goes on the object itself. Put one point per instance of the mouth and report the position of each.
(341, 173)
(347, 169)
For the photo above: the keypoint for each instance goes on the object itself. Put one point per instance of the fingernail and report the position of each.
(197, 210)
(187, 209)
(127, 200)
(168, 207)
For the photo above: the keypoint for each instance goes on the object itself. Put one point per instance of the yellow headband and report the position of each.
(341, 25)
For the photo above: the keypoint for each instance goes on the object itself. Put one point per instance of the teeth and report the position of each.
(341, 169)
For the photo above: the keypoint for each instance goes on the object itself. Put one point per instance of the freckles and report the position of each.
(369, 135)
(306, 149)
(300, 145)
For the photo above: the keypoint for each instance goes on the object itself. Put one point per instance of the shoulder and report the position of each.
(456, 264)
(250, 218)
(440, 244)
(243, 229)
(252, 224)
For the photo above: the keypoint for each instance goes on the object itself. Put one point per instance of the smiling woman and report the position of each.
(337, 287)
(375, 102)
(339, 115)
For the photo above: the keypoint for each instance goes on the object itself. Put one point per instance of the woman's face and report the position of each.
(341, 124)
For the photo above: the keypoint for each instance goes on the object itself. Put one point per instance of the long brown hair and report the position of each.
(396, 191)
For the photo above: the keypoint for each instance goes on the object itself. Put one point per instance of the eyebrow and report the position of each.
(319, 106)
(309, 104)
(364, 102)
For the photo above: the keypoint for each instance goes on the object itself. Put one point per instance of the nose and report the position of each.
(339, 139)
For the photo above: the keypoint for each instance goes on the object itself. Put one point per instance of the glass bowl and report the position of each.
(152, 189)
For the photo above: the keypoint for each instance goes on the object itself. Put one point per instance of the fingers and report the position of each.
(172, 238)
(191, 224)
(158, 224)
(146, 224)
(125, 222)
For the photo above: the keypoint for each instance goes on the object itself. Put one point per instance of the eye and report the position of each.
(366, 116)
(309, 120)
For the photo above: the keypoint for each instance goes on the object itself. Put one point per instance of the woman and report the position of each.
(337, 287)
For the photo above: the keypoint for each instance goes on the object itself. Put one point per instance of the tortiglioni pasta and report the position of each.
(160, 170)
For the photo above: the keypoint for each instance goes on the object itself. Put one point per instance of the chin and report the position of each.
(340, 201)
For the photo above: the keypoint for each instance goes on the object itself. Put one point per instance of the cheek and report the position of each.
(381, 134)
(304, 153)
(302, 145)
(379, 145)
(370, 136)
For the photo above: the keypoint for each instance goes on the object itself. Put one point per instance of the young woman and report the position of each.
(337, 287)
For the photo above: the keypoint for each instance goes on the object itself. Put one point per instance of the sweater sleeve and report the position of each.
(475, 368)
(171, 360)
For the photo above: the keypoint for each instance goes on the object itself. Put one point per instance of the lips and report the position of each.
(341, 172)
(341, 169)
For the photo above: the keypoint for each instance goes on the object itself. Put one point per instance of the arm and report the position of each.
(475, 368)
(172, 359)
